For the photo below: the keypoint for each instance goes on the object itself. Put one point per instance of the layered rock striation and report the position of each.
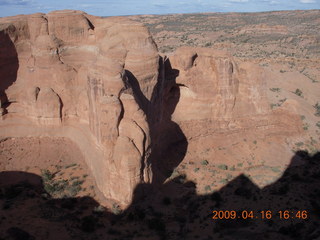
(101, 83)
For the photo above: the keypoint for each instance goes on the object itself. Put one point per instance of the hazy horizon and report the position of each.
(138, 7)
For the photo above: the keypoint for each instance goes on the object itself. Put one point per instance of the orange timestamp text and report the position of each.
(265, 214)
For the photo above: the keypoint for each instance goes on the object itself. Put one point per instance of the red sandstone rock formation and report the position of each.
(101, 83)
(64, 74)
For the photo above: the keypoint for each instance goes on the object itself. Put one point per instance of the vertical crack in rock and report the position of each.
(89, 23)
(59, 56)
(121, 113)
(143, 154)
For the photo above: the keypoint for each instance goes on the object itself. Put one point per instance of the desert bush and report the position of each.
(232, 168)
(71, 165)
(275, 169)
(299, 144)
(317, 107)
(204, 162)
(305, 126)
(298, 92)
(207, 188)
(116, 209)
(223, 167)
(275, 89)
(46, 175)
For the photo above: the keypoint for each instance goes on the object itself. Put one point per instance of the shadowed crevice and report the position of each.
(168, 143)
(9, 65)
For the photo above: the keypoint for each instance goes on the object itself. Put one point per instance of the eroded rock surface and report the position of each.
(101, 83)
(67, 69)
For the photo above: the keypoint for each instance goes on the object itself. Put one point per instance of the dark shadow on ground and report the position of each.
(175, 211)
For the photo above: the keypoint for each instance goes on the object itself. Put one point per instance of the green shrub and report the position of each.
(317, 107)
(224, 181)
(71, 165)
(207, 188)
(299, 144)
(223, 167)
(116, 209)
(298, 92)
(305, 126)
(46, 175)
(275, 89)
(275, 169)
(99, 209)
(204, 162)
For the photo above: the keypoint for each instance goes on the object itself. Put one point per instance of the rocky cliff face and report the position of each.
(68, 69)
(134, 114)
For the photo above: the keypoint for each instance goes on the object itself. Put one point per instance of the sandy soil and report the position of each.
(57, 160)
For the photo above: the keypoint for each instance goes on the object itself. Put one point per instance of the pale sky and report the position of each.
(132, 7)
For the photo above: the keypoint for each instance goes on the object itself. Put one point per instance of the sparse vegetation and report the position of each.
(275, 89)
(99, 209)
(60, 187)
(223, 167)
(298, 92)
(299, 144)
(207, 188)
(305, 126)
(70, 165)
(224, 181)
(275, 169)
(317, 107)
(204, 162)
(46, 175)
(281, 101)
(116, 209)
(232, 168)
